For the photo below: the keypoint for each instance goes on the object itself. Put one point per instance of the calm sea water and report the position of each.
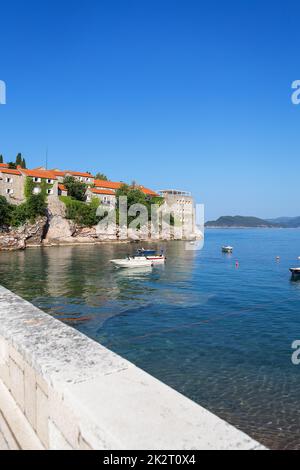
(219, 334)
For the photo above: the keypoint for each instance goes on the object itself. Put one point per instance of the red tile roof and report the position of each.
(10, 171)
(108, 184)
(102, 191)
(3, 165)
(62, 187)
(58, 172)
(147, 191)
(78, 173)
(45, 174)
(73, 173)
(118, 185)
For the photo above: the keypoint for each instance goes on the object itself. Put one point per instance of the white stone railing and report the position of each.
(61, 390)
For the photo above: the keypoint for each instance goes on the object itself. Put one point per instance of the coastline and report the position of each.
(247, 228)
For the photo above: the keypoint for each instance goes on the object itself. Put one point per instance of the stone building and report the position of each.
(12, 185)
(180, 204)
(105, 196)
(86, 178)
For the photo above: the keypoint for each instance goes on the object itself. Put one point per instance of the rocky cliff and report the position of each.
(55, 229)
(27, 235)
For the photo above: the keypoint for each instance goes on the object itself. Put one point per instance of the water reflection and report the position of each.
(218, 334)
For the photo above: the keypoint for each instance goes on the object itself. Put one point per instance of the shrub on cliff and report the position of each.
(5, 211)
(19, 215)
(75, 188)
(34, 207)
(81, 213)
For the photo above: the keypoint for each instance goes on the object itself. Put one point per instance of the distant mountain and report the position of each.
(240, 221)
(288, 222)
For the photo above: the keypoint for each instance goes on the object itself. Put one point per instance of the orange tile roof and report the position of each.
(10, 171)
(107, 184)
(3, 165)
(147, 191)
(46, 174)
(72, 173)
(79, 173)
(58, 172)
(118, 185)
(62, 187)
(102, 191)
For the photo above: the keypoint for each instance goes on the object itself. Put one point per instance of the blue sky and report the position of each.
(187, 94)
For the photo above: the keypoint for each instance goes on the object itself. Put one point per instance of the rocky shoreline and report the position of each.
(54, 229)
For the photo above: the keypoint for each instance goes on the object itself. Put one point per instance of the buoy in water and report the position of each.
(237, 264)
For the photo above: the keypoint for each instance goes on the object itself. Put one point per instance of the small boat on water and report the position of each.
(143, 252)
(132, 262)
(152, 255)
(157, 258)
(227, 249)
(295, 273)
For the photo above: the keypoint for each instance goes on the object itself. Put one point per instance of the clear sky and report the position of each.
(188, 94)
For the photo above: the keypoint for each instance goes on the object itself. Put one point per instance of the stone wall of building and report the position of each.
(16, 184)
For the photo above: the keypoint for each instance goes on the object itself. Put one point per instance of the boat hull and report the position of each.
(156, 259)
(295, 273)
(131, 263)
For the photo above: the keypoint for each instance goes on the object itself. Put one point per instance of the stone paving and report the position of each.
(3, 442)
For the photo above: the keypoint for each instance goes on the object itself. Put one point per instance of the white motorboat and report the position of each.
(227, 249)
(132, 262)
(156, 258)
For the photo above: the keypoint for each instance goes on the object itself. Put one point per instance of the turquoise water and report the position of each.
(219, 334)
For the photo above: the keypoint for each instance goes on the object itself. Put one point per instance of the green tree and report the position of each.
(81, 213)
(19, 159)
(136, 196)
(19, 215)
(101, 176)
(36, 206)
(5, 211)
(23, 164)
(12, 166)
(76, 189)
(1, 158)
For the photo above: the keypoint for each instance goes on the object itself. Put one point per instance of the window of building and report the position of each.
(49, 181)
(36, 190)
(36, 180)
(49, 191)
(9, 191)
(8, 180)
